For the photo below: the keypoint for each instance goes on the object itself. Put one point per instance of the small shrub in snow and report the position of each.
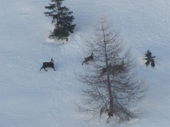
(149, 59)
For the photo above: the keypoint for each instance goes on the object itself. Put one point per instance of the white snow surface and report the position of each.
(33, 98)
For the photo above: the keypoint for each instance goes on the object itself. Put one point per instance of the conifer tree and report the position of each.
(62, 19)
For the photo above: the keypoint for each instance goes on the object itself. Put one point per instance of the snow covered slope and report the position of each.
(30, 98)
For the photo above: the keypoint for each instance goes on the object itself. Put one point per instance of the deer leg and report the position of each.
(83, 62)
(45, 69)
(41, 68)
(54, 68)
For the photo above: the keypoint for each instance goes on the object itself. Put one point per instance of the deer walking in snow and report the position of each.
(88, 58)
(48, 64)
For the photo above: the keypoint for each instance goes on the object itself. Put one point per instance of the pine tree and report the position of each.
(62, 19)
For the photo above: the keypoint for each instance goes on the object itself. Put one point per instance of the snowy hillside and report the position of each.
(33, 98)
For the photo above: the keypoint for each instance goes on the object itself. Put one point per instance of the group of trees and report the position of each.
(112, 83)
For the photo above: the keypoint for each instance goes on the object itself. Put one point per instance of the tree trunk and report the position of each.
(110, 112)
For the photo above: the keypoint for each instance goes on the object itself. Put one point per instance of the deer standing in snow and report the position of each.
(118, 67)
(114, 68)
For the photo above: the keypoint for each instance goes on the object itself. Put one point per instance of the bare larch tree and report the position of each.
(111, 82)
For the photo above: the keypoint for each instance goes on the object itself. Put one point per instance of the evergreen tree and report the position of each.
(62, 18)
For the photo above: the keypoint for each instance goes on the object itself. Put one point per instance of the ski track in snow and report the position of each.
(33, 98)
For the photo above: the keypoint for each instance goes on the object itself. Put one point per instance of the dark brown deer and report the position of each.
(118, 67)
(48, 64)
(104, 70)
(88, 58)
(114, 68)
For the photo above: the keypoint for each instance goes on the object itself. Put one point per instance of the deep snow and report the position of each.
(30, 98)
